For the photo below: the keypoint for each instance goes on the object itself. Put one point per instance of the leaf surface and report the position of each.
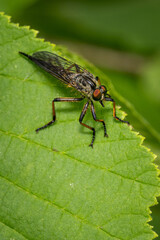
(53, 186)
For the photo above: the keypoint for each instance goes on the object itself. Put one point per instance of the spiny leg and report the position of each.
(53, 109)
(98, 120)
(84, 110)
(114, 110)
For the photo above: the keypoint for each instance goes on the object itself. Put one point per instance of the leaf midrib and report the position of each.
(73, 158)
(53, 204)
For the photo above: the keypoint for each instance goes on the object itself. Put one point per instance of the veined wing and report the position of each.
(68, 72)
(57, 66)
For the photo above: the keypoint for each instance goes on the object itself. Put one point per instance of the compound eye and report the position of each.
(103, 88)
(97, 95)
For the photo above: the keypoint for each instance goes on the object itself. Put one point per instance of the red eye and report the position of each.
(97, 94)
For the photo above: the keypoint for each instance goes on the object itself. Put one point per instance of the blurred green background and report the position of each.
(122, 38)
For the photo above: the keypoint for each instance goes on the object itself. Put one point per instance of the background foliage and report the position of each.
(127, 31)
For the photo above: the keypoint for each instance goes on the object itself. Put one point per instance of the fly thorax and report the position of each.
(82, 84)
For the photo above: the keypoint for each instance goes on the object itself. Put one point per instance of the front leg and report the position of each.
(77, 68)
(53, 109)
(114, 110)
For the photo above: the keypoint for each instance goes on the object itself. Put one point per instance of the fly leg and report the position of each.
(53, 109)
(98, 120)
(76, 66)
(84, 110)
(114, 110)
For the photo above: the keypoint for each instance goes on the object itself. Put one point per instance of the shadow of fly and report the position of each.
(79, 78)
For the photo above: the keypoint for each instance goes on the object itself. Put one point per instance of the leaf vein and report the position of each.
(15, 39)
(84, 221)
(75, 159)
(14, 229)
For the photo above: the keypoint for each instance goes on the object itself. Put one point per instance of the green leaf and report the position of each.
(53, 186)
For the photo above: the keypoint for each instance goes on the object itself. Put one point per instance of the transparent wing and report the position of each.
(56, 65)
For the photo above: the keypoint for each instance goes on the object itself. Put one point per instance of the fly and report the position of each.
(79, 78)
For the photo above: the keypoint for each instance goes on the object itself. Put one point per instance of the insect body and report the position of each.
(79, 78)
